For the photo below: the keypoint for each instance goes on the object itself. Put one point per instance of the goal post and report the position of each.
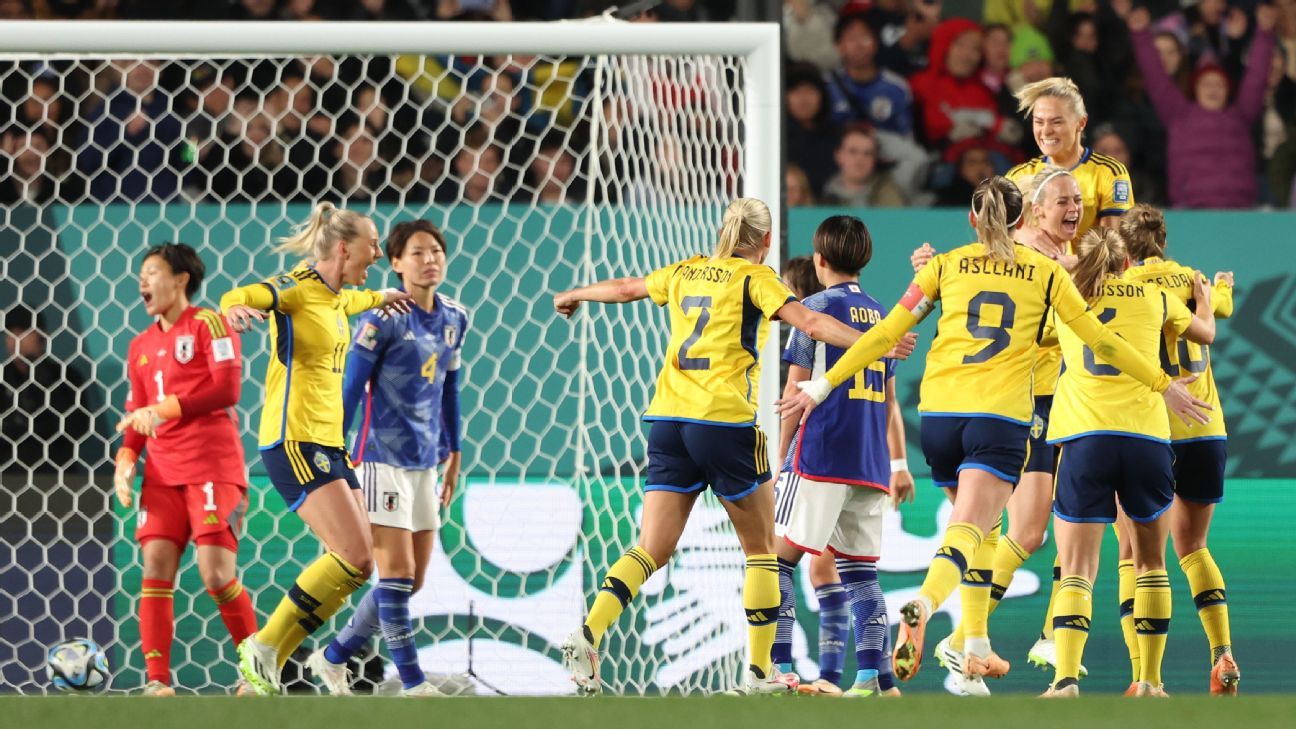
(610, 149)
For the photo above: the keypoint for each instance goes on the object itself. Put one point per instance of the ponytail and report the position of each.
(1144, 231)
(1102, 254)
(746, 221)
(318, 237)
(997, 207)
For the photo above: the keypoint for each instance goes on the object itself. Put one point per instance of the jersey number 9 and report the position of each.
(999, 336)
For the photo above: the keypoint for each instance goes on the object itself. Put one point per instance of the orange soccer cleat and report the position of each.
(1225, 676)
(907, 657)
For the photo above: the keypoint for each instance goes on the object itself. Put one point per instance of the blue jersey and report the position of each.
(886, 102)
(402, 374)
(844, 439)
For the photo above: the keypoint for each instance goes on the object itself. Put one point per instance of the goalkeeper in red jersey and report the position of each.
(185, 374)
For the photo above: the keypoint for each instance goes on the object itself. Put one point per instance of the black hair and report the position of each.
(799, 275)
(181, 258)
(400, 234)
(845, 243)
(845, 20)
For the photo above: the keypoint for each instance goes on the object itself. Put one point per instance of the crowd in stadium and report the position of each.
(889, 103)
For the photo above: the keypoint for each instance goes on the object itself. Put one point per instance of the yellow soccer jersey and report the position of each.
(1048, 367)
(309, 336)
(1095, 398)
(1180, 357)
(719, 318)
(1104, 185)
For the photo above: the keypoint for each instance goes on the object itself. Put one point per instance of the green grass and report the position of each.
(655, 713)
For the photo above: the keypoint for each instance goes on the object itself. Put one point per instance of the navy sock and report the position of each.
(834, 624)
(781, 654)
(398, 632)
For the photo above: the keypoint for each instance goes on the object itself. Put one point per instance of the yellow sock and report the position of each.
(1071, 626)
(620, 586)
(951, 561)
(761, 601)
(1125, 569)
(1008, 558)
(317, 594)
(1152, 621)
(1047, 631)
(1207, 586)
(974, 593)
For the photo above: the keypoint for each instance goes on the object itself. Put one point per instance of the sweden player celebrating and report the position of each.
(1200, 451)
(841, 465)
(1114, 439)
(703, 425)
(301, 421)
(976, 397)
(403, 374)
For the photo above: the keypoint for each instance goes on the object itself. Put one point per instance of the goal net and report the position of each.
(550, 155)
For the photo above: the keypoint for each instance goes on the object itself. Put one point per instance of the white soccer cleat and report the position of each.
(422, 691)
(1044, 655)
(158, 689)
(335, 677)
(580, 658)
(775, 685)
(971, 684)
(259, 666)
(948, 656)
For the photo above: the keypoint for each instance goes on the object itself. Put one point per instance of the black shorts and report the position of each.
(297, 468)
(685, 457)
(952, 444)
(1095, 470)
(1199, 470)
(1043, 456)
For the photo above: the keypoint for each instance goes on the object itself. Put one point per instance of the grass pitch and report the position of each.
(639, 713)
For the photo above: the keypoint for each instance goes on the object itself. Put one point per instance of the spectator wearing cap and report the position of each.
(1210, 151)
(808, 33)
(952, 103)
(1031, 57)
(811, 136)
(861, 181)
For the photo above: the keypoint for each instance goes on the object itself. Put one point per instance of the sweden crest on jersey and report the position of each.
(321, 462)
(184, 349)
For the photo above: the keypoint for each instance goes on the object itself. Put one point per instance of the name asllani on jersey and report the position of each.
(1023, 271)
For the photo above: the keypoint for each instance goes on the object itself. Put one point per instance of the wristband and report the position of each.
(818, 389)
(899, 464)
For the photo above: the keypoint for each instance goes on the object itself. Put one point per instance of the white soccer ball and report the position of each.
(78, 664)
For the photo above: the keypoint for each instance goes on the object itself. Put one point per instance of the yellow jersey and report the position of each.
(1104, 184)
(1180, 357)
(992, 318)
(309, 336)
(719, 319)
(1095, 398)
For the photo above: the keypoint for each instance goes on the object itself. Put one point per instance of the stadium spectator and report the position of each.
(1212, 158)
(44, 108)
(1031, 57)
(42, 416)
(1278, 129)
(1217, 33)
(861, 92)
(27, 180)
(478, 170)
(809, 132)
(797, 185)
(951, 102)
(861, 182)
(1107, 140)
(905, 28)
(551, 176)
(128, 152)
(996, 60)
(808, 33)
(972, 165)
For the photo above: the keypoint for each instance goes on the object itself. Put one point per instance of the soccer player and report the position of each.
(1200, 451)
(301, 421)
(837, 475)
(703, 426)
(976, 398)
(403, 374)
(1114, 439)
(184, 374)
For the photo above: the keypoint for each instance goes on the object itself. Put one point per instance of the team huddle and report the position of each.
(1070, 377)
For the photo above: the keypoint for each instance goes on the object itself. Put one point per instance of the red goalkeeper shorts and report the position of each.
(211, 514)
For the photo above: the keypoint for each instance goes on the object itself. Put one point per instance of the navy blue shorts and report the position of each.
(952, 444)
(1199, 470)
(687, 457)
(1095, 470)
(297, 468)
(1043, 456)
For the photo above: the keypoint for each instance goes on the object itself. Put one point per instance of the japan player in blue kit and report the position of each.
(842, 464)
(403, 377)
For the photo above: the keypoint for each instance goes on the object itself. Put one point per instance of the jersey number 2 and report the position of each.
(1000, 337)
(695, 363)
(1091, 362)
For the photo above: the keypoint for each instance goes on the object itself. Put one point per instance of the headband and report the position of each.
(1012, 222)
(1044, 184)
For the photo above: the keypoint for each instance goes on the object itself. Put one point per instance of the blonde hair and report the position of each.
(997, 205)
(318, 237)
(746, 221)
(1034, 188)
(1102, 254)
(1144, 230)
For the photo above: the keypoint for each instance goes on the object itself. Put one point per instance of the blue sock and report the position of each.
(865, 675)
(362, 626)
(868, 612)
(398, 632)
(886, 679)
(834, 622)
(781, 653)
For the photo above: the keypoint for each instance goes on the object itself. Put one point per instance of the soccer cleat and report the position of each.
(1144, 689)
(259, 666)
(907, 657)
(243, 688)
(335, 677)
(421, 691)
(819, 687)
(1044, 656)
(949, 657)
(1132, 690)
(157, 688)
(970, 683)
(1225, 676)
(1070, 691)
(863, 689)
(776, 685)
(580, 658)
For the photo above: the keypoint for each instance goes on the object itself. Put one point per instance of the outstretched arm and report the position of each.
(611, 291)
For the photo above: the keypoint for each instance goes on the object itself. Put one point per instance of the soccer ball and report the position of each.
(77, 665)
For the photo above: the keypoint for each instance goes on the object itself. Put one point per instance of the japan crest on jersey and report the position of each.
(451, 335)
(184, 349)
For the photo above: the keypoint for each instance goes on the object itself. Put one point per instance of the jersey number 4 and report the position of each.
(1000, 336)
(429, 369)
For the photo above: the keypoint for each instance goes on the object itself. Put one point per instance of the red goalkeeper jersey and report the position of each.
(199, 360)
